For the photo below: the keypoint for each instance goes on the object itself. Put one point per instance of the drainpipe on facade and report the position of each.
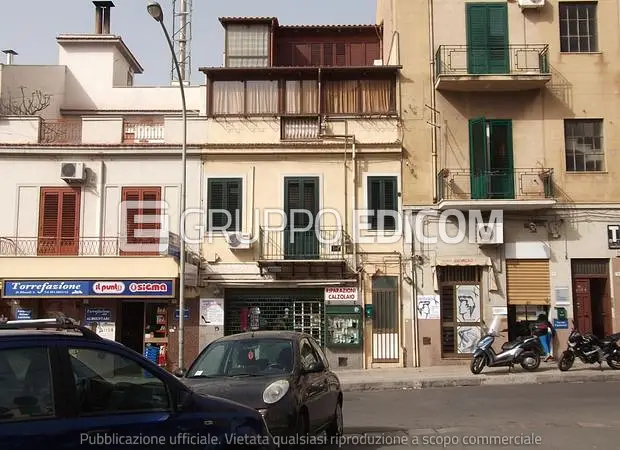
(100, 209)
(414, 303)
(433, 108)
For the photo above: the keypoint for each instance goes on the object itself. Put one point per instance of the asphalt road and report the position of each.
(562, 416)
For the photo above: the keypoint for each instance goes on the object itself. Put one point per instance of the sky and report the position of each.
(30, 27)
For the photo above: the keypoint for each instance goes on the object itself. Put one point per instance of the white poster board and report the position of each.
(212, 311)
(428, 307)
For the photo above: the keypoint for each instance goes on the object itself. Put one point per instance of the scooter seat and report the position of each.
(512, 344)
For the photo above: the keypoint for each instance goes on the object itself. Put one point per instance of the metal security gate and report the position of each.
(385, 321)
(461, 309)
(528, 282)
(278, 310)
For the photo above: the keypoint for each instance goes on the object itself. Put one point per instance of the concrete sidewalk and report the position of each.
(460, 375)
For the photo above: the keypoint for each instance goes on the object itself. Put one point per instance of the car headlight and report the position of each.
(275, 391)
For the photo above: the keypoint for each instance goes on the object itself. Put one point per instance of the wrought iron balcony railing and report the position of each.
(321, 243)
(55, 246)
(500, 184)
(61, 131)
(525, 59)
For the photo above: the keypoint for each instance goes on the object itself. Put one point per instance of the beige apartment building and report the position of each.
(305, 118)
(508, 106)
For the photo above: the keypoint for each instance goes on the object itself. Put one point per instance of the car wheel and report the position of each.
(336, 427)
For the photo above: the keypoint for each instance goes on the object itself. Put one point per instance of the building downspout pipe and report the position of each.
(100, 207)
(414, 298)
(432, 69)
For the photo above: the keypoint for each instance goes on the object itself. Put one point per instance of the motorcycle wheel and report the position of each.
(477, 364)
(530, 361)
(566, 361)
(614, 362)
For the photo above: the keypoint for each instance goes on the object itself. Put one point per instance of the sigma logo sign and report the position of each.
(148, 287)
(108, 287)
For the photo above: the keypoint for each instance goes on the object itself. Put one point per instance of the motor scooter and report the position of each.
(525, 350)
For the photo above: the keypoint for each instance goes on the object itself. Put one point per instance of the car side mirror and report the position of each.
(314, 368)
(180, 373)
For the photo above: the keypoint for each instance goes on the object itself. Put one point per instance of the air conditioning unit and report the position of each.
(529, 4)
(239, 241)
(488, 234)
(72, 171)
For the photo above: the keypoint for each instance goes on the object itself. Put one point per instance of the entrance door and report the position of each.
(491, 159)
(132, 325)
(301, 206)
(487, 38)
(583, 305)
(385, 320)
(461, 309)
(592, 298)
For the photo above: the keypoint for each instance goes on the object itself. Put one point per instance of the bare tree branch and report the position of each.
(26, 105)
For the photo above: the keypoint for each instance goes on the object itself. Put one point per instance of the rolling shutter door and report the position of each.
(528, 282)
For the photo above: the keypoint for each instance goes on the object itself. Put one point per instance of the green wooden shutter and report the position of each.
(234, 202)
(224, 194)
(477, 38)
(498, 39)
(301, 193)
(382, 196)
(502, 183)
(478, 158)
(487, 38)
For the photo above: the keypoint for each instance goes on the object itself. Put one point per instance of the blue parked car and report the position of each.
(64, 387)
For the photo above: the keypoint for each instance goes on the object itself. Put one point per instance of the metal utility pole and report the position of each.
(182, 37)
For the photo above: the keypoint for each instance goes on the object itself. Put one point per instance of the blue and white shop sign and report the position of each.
(88, 288)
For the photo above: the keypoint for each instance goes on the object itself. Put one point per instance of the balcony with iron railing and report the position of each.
(501, 188)
(60, 131)
(82, 246)
(319, 244)
(510, 68)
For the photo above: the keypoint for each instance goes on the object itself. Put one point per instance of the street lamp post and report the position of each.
(156, 12)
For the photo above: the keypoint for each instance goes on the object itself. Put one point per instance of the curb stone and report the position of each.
(496, 380)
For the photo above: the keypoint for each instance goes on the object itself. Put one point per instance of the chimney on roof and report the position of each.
(9, 55)
(102, 16)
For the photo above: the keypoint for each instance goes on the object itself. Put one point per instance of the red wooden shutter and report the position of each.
(69, 223)
(140, 194)
(357, 54)
(151, 195)
(59, 221)
(373, 51)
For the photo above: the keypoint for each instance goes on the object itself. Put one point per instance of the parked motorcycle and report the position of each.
(525, 350)
(590, 350)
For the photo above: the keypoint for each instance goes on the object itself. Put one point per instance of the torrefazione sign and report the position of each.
(88, 288)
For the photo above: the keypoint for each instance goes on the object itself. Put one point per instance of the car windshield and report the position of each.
(251, 357)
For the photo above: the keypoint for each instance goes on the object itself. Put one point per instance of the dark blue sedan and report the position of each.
(64, 387)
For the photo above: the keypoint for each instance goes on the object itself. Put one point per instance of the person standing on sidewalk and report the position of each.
(545, 332)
